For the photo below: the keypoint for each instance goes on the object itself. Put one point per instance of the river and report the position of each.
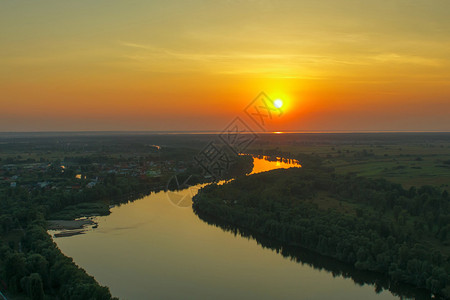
(154, 249)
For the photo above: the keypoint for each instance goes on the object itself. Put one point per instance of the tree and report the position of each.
(32, 285)
(15, 269)
(36, 263)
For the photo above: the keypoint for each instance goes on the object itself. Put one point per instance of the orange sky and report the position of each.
(195, 65)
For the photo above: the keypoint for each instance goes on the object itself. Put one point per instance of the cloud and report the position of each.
(406, 59)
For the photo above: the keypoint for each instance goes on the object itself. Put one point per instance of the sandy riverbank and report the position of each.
(69, 224)
(67, 228)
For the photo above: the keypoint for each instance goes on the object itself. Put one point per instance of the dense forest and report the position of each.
(372, 224)
(30, 262)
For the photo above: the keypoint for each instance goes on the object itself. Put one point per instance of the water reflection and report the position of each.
(320, 262)
(150, 248)
(267, 163)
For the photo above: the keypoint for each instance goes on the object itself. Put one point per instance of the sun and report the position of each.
(278, 103)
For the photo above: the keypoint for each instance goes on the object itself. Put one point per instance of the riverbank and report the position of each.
(66, 228)
(368, 224)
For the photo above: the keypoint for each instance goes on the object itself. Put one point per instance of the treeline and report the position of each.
(16, 202)
(30, 262)
(39, 270)
(374, 225)
(320, 262)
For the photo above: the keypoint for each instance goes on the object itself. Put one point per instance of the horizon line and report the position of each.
(215, 131)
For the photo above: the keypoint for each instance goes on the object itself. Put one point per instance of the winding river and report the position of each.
(154, 249)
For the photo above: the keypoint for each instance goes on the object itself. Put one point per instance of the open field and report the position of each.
(408, 159)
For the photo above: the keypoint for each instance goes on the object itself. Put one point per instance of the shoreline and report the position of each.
(67, 228)
(69, 224)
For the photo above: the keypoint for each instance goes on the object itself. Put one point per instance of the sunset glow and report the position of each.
(174, 65)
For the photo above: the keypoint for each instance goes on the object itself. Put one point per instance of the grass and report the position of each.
(407, 164)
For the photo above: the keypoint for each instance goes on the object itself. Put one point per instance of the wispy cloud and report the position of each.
(265, 62)
(406, 59)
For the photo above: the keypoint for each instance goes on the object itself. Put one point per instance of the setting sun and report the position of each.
(278, 103)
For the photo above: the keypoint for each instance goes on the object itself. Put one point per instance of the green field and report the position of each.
(408, 162)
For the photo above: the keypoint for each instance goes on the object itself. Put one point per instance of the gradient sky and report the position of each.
(195, 65)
